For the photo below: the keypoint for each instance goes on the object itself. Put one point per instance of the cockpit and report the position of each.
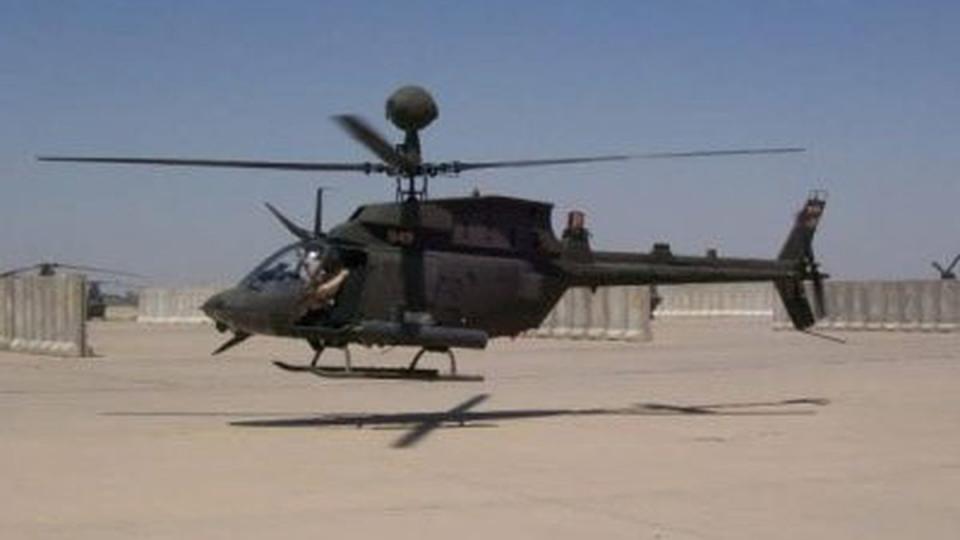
(294, 265)
(310, 280)
(308, 283)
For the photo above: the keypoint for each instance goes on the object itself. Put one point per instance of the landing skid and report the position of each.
(392, 373)
(349, 371)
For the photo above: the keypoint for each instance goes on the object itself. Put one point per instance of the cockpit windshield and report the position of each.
(295, 264)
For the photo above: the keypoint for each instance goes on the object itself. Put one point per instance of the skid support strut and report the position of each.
(319, 347)
(425, 350)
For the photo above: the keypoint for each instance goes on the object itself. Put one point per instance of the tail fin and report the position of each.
(799, 249)
(799, 244)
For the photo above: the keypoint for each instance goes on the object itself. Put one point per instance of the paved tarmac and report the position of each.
(715, 430)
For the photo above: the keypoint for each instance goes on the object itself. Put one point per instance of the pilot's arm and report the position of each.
(328, 289)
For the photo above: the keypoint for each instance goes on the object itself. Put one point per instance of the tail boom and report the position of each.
(794, 264)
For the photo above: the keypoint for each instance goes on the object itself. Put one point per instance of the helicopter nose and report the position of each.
(222, 308)
(215, 306)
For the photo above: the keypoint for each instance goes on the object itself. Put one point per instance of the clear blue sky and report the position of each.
(872, 88)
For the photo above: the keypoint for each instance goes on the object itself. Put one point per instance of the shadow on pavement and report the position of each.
(422, 424)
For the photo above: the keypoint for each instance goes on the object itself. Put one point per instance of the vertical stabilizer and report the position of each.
(798, 249)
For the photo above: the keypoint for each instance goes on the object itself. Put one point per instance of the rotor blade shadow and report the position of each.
(423, 423)
(424, 428)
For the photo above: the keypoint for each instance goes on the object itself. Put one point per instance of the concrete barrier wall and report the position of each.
(907, 306)
(174, 305)
(6, 314)
(716, 300)
(44, 315)
(609, 313)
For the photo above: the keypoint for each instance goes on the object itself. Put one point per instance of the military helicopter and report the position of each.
(440, 274)
(947, 273)
(96, 299)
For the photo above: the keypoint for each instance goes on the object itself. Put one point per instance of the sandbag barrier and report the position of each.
(608, 313)
(44, 315)
(174, 305)
(901, 306)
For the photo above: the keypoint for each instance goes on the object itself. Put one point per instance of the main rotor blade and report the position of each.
(69, 267)
(98, 270)
(394, 161)
(364, 167)
(954, 263)
(717, 153)
(458, 166)
(16, 271)
(366, 135)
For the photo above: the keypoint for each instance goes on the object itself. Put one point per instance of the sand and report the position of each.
(156, 439)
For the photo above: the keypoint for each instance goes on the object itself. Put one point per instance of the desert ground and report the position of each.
(716, 429)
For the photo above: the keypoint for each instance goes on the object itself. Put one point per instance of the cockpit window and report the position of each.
(292, 264)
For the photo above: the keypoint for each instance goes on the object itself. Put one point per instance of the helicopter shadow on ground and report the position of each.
(419, 425)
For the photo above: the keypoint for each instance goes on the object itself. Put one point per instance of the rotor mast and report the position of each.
(411, 108)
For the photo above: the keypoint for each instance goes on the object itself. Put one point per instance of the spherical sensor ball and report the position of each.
(411, 108)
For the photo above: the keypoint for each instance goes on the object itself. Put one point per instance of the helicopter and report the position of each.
(947, 273)
(96, 301)
(452, 273)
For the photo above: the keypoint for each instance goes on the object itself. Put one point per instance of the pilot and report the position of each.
(310, 267)
(326, 290)
(324, 280)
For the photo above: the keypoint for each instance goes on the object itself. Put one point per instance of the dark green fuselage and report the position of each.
(489, 263)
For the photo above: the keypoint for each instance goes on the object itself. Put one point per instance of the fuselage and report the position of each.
(488, 263)
(478, 262)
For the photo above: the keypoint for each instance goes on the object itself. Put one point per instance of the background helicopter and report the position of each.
(97, 299)
(947, 273)
(446, 273)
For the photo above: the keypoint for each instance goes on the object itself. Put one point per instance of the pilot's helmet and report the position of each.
(312, 261)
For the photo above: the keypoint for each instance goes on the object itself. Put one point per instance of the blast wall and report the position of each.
(716, 300)
(902, 306)
(609, 313)
(44, 315)
(174, 305)
(6, 313)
